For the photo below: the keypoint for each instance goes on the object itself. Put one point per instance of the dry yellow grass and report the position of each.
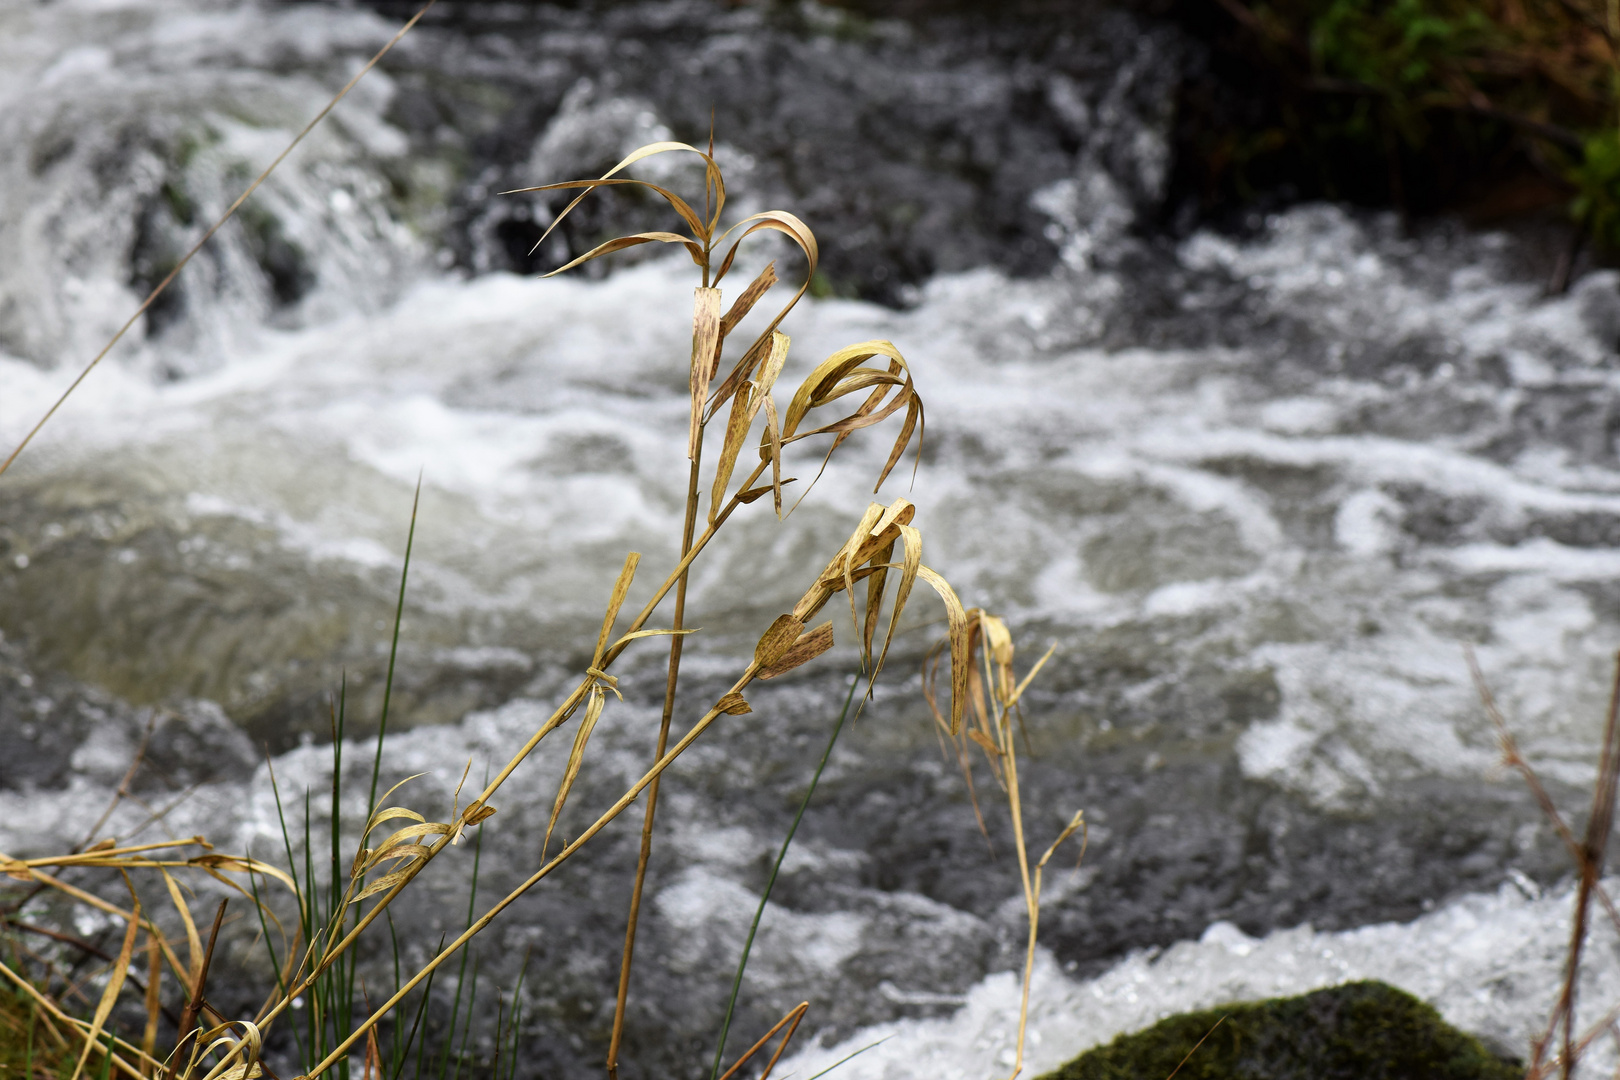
(857, 387)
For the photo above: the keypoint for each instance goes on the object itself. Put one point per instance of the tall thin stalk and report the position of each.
(644, 855)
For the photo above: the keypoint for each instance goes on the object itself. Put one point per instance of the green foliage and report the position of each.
(1357, 1031)
(1426, 104)
(1597, 184)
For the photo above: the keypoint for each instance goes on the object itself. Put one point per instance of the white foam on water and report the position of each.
(1491, 964)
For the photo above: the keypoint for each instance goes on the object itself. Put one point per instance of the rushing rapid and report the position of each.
(1263, 491)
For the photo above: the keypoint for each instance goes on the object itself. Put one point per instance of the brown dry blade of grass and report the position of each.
(230, 212)
(861, 546)
(109, 996)
(995, 694)
(805, 648)
(791, 1022)
(890, 389)
(193, 938)
(239, 1054)
(746, 404)
(702, 229)
(154, 998)
(705, 346)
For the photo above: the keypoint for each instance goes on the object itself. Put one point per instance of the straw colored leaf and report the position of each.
(754, 493)
(576, 758)
(621, 588)
(628, 638)
(985, 741)
(619, 243)
(393, 812)
(705, 346)
(956, 617)
(910, 565)
(888, 388)
(742, 413)
(788, 225)
(744, 369)
(810, 644)
(193, 939)
(384, 883)
(773, 447)
(777, 640)
(109, 996)
(699, 227)
(747, 299)
(477, 814)
(733, 704)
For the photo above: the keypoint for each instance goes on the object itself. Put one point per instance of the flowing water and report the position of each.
(1262, 490)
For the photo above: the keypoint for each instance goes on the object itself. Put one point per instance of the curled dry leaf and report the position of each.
(733, 704)
(705, 349)
(777, 640)
(576, 758)
(810, 644)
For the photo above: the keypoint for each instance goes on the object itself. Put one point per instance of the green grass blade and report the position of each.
(770, 882)
(393, 653)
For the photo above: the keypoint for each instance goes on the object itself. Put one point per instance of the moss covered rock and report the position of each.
(1358, 1031)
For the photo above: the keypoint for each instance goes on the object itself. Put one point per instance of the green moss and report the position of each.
(1358, 1031)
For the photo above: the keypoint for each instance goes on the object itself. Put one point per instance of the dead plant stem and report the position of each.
(534, 879)
(560, 716)
(645, 854)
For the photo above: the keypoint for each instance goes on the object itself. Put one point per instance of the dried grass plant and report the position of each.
(737, 424)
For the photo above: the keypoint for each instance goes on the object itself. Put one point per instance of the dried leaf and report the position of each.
(626, 639)
(619, 243)
(777, 640)
(753, 493)
(985, 741)
(890, 389)
(621, 588)
(193, 939)
(909, 566)
(705, 340)
(773, 446)
(744, 368)
(810, 644)
(394, 812)
(733, 704)
(747, 299)
(743, 406)
(699, 227)
(576, 758)
(384, 883)
(477, 814)
(960, 660)
(788, 225)
(109, 996)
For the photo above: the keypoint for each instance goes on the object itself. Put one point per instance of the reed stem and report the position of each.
(645, 854)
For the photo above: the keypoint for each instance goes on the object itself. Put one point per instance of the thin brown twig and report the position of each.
(792, 1019)
(644, 854)
(194, 1005)
(1194, 1050)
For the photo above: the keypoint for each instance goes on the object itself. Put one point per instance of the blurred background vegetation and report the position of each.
(1488, 108)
